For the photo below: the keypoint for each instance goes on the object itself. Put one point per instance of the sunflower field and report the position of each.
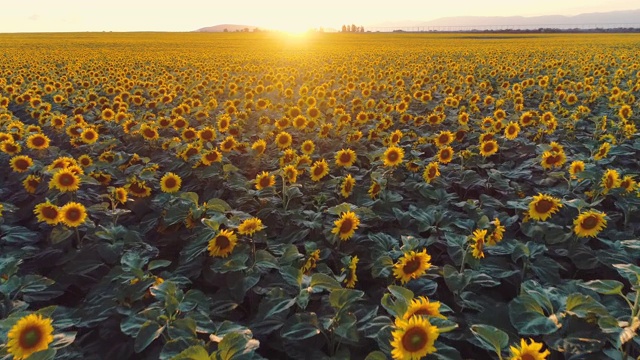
(339, 196)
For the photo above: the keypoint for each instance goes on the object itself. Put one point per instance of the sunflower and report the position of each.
(149, 133)
(347, 185)
(575, 168)
(589, 223)
(498, 233)
(170, 182)
(553, 159)
(346, 225)
(89, 136)
(443, 138)
(628, 183)
(224, 122)
(345, 158)
(543, 206)
(73, 214)
(30, 334)
(512, 130)
(412, 265)
(283, 140)
(431, 171)
(206, 134)
(319, 169)
(38, 142)
(486, 137)
(250, 226)
(259, 146)
(393, 156)
(602, 151)
(211, 156)
(488, 148)
(395, 137)
(413, 339)
(625, 112)
(85, 160)
(31, 183)
(300, 122)
(20, 163)
(308, 147)
(530, 351)
(222, 244)
(120, 194)
(311, 262)
(374, 189)
(610, 180)
(10, 147)
(445, 155)
(65, 180)
(264, 180)
(138, 188)
(108, 114)
(228, 144)
(351, 278)
(48, 213)
(478, 243)
(421, 306)
(102, 177)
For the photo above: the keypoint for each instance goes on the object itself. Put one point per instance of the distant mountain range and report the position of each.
(227, 27)
(602, 19)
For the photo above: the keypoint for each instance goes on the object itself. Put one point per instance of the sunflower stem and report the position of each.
(78, 238)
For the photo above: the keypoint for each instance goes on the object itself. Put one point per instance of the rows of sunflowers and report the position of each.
(365, 196)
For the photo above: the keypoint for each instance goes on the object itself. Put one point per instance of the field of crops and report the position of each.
(335, 196)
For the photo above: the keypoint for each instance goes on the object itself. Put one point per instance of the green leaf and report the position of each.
(323, 281)
(605, 287)
(583, 305)
(149, 331)
(300, 326)
(376, 355)
(48, 354)
(528, 316)
(157, 264)
(232, 344)
(491, 338)
(340, 298)
(193, 353)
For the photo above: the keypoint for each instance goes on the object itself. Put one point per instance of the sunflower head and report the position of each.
(73, 214)
(393, 156)
(347, 186)
(431, 171)
(543, 206)
(30, 334)
(421, 306)
(264, 180)
(575, 168)
(413, 338)
(346, 225)
(488, 148)
(528, 351)
(589, 223)
(610, 180)
(512, 130)
(319, 170)
(170, 182)
(250, 226)
(412, 265)
(345, 157)
(48, 213)
(352, 278)
(222, 244)
(65, 180)
(445, 154)
(20, 163)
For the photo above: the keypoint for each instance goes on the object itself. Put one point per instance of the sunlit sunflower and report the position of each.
(211, 156)
(48, 213)
(345, 157)
(488, 148)
(478, 238)
(543, 206)
(575, 168)
(10, 147)
(30, 183)
(222, 244)
(395, 137)
(498, 233)
(30, 334)
(148, 132)
(347, 186)
(259, 146)
(89, 136)
(589, 223)
(512, 130)
(528, 351)
(374, 189)
(20, 163)
(250, 226)
(290, 173)
(412, 265)
(319, 169)
(228, 144)
(553, 160)
(413, 339)
(138, 188)
(120, 195)
(311, 262)
(307, 147)
(65, 180)
(264, 180)
(602, 151)
(628, 183)
(73, 214)
(443, 138)
(346, 225)
(85, 160)
(351, 278)
(431, 171)
(170, 182)
(283, 140)
(421, 306)
(445, 155)
(610, 180)
(38, 142)
(393, 156)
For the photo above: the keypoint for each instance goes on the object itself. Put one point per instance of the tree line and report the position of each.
(352, 29)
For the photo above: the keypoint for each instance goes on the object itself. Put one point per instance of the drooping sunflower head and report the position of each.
(393, 156)
(222, 244)
(30, 334)
(346, 225)
(120, 195)
(431, 171)
(345, 157)
(413, 338)
(528, 351)
(575, 168)
(602, 151)
(589, 223)
(610, 180)
(374, 189)
(543, 206)
(412, 265)
(421, 306)
(479, 239)
(351, 278)
(250, 226)
(170, 182)
(347, 186)
(319, 169)
(259, 146)
(73, 214)
(628, 184)
(138, 188)
(30, 183)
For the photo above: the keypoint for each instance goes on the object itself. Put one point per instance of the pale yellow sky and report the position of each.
(288, 15)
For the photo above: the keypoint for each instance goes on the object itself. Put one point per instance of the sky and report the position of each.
(285, 15)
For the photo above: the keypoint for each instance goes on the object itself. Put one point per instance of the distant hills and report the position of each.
(602, 19)
(227, 27)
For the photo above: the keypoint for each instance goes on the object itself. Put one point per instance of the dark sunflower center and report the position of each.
(609, 182)
(590, 222)
(222, 242)
(318, 170)
(345, 158)
(415, 339)
(33, 183)
(347, 186)
(207, 135)
(283, 140)
(89, 135)
(432, 172)
(149, 133)
(411, 266)
(488, 147)
(38, 141)
(264, 181)
(445, 155)
(67, 179)
(511, 130)
(346, 226)
(553, 159)
(49, 212)
(212, 156)
(170, 183)
(22, 164)
(30, 337)
(395, 139)
(527, 357)
(443, 139)
(544, 206)
(192, 151)
(72, 214)
(189, 134)
(393, 156)
(422, 311)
